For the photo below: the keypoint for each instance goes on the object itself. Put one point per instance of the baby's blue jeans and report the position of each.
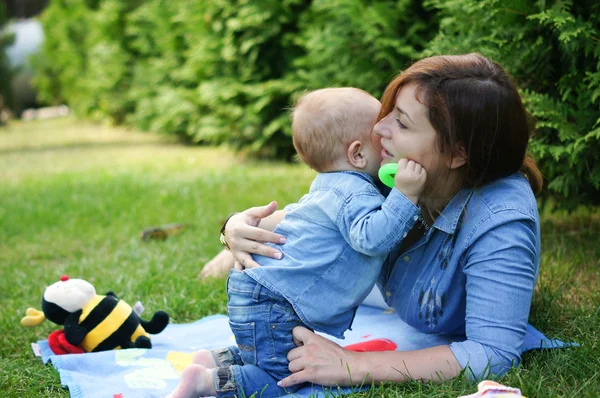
(262, 322)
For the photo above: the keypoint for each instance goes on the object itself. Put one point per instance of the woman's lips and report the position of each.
(385, 154)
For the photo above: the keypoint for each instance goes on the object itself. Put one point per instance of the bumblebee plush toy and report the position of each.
(94, 322)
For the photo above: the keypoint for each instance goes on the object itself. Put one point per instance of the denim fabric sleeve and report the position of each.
(500, 269)
(375, 228)
(290, 207)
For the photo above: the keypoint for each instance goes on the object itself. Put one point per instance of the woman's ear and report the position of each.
(356, 156)
(459, 157)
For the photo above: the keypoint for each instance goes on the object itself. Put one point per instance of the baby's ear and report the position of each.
(356, 156)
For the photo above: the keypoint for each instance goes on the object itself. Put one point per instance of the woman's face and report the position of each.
(407, 133)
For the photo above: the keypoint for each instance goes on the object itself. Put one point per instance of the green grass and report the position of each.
(74, 198)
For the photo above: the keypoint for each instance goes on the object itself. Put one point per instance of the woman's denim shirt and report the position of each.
(337, 238)
(473, 274)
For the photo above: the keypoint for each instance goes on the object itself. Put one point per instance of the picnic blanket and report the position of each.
(155, 372)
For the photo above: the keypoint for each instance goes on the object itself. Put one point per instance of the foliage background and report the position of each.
(6, 39)
(226, 71)
(552, 48)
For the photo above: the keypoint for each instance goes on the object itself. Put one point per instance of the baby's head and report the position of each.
(332, 130)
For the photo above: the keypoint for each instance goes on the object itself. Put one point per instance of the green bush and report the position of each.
(361, 43)
(108, 74)
(241, 54)
(226, 71)
(552, 48)
(161, 95)
(221, 71)
(85, 60)
(6, 39)
(62, 64)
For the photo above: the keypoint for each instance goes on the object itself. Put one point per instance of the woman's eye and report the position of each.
(400, 124)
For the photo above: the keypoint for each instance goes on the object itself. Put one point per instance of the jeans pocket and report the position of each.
(245, 337)
(283, 343)
(283, 320)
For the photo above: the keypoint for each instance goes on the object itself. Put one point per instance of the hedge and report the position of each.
(552, 49)
(6, 39)
(226, 71)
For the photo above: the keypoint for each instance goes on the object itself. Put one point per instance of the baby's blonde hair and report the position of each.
(325, 122)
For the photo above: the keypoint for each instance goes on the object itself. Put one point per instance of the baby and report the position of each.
(337, 238)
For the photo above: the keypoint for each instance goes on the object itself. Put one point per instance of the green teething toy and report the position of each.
(387, 172)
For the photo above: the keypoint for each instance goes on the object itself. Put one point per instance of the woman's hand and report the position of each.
(245, 237)
(320, 361)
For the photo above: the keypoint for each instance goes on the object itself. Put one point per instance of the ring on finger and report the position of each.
(224, 242)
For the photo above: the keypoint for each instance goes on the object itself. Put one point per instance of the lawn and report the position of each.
(74, 198)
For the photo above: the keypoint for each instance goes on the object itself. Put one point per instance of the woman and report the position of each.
(470, 268)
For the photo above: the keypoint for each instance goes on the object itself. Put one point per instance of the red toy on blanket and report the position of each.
(372, 345)
(91, 322)
(59, 345)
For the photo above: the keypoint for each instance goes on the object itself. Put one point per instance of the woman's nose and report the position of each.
(382, 128)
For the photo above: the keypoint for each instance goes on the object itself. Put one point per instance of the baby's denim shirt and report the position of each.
(338, 236)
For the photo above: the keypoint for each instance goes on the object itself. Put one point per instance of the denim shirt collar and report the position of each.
(448, 220)
(364, 176)
(322, 178)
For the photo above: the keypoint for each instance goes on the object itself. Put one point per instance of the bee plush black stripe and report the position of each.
(100, 312)
(121, 335)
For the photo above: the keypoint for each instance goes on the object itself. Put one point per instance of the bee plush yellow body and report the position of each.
(94, 322)
(108, 321)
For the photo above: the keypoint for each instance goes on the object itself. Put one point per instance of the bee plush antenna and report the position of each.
(33, 318)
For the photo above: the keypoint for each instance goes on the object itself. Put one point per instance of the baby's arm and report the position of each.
(373, 225)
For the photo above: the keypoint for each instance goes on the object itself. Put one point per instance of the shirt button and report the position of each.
(406, 258)
(415, 218)
(404, 236)
(388, 294)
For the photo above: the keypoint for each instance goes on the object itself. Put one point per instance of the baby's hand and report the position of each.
(410, 179)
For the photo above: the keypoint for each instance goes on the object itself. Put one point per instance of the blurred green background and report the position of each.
(224, 71)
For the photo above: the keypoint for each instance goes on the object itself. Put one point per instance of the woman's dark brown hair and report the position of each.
(475, 104)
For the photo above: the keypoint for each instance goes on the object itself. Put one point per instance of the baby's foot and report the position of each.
(195, 381)
(204, 358)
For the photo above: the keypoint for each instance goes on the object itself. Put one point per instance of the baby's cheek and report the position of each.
(376, 142)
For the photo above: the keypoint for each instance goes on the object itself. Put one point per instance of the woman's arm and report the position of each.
(324, 362)
(501, 270)
(244, 233)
